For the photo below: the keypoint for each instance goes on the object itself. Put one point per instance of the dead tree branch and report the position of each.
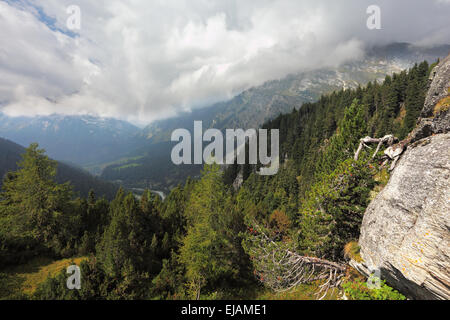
(281, 268)
(388, 139)
(392, 152)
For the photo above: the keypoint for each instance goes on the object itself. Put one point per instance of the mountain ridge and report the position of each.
(78, 139)
(82, 181)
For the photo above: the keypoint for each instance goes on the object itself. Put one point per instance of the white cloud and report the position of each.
(142, 60)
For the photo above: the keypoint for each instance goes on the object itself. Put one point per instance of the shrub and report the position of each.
(358, 290)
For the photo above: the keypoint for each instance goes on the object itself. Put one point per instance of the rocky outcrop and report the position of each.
(436, 112)
(405, 232)
(440, 82)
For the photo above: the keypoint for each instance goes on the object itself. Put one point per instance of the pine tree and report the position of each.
(128, 238)
(333, 210)
(211, 245)
(351, 128)
(33, 197)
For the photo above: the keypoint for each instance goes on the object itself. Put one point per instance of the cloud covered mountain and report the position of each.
(149, 60)
(77, 139)
(150, 165)
(255, 106)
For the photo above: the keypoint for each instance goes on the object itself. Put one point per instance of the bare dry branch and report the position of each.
(281, 269)
(387, 139)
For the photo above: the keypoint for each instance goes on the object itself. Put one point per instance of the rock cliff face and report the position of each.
(406, 230)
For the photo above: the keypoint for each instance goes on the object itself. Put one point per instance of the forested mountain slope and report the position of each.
(314, 139)
(82, 140)
(252, 108)
(82, 181)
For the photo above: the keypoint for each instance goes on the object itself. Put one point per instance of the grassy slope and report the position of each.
(301, 292)
(24, 279)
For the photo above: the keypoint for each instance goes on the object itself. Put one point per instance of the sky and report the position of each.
(142, 60)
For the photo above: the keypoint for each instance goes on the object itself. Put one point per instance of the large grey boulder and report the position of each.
(406, 230)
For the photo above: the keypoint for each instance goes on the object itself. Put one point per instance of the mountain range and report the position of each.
(81, 140)
(82, 181)
(140, 158)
